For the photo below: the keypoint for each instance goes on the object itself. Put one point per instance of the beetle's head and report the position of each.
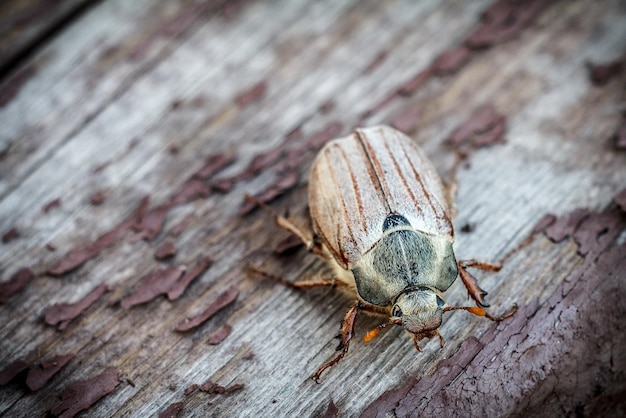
(420, 311)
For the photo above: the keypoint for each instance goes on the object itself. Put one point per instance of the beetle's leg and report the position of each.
(297, 285)
(481, 265)
(452, 184)
(471, 284)
(316, 283)
(441, 341)
(481, 312)
(290, 227)
(310, 243)
(347, 330)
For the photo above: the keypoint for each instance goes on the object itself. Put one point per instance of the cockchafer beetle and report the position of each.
(381, 219)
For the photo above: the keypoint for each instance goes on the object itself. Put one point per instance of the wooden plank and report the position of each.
(131, 99)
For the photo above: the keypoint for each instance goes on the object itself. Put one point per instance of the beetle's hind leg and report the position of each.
(306, 284)
(347, 331)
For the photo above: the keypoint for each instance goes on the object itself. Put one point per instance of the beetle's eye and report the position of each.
(440, 302)
(397, 312)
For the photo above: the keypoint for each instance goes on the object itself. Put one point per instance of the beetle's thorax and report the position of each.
(404, 258)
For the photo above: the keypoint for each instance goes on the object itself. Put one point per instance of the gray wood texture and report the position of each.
(129, 98)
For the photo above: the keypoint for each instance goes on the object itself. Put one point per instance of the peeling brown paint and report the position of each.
(620, 199)
(147, 224)
(18, 280)
(39, 375)
(78, 256)
(223, 300)
(543, 223)
(62, 313)
(213, 164)
(546, 348)
(452, 60)
(53, 204)
(12, 371)
(220, 335)
(484, 127)
(165, 251)
(251, 95)
(156, 283)
(97, 198)
(151, 223)
(408, 120)
(182, 225)
(191, 389)
(416, 82)
(602, 74)
(564, 226)
(376, 62)
(332, 411)
(82, 394)
(10, 235)
(196, 271)
(172, 411)
(281, 185)
(504, 20)
(213, 388)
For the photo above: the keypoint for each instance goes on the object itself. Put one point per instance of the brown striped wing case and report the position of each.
(358, 181)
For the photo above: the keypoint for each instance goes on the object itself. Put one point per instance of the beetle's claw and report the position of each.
(480, 298)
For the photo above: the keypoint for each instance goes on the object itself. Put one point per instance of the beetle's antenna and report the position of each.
(481, 312)
(373, 333)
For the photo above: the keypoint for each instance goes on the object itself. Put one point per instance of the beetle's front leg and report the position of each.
(481, 265)
(347, 331)
(470, 282)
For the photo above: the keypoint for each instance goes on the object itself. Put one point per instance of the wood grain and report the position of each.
(131, 99)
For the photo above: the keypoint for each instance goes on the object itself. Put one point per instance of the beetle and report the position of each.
(381, 219)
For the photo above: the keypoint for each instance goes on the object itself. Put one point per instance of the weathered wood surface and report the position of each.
(130, 98)
(25, 25)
